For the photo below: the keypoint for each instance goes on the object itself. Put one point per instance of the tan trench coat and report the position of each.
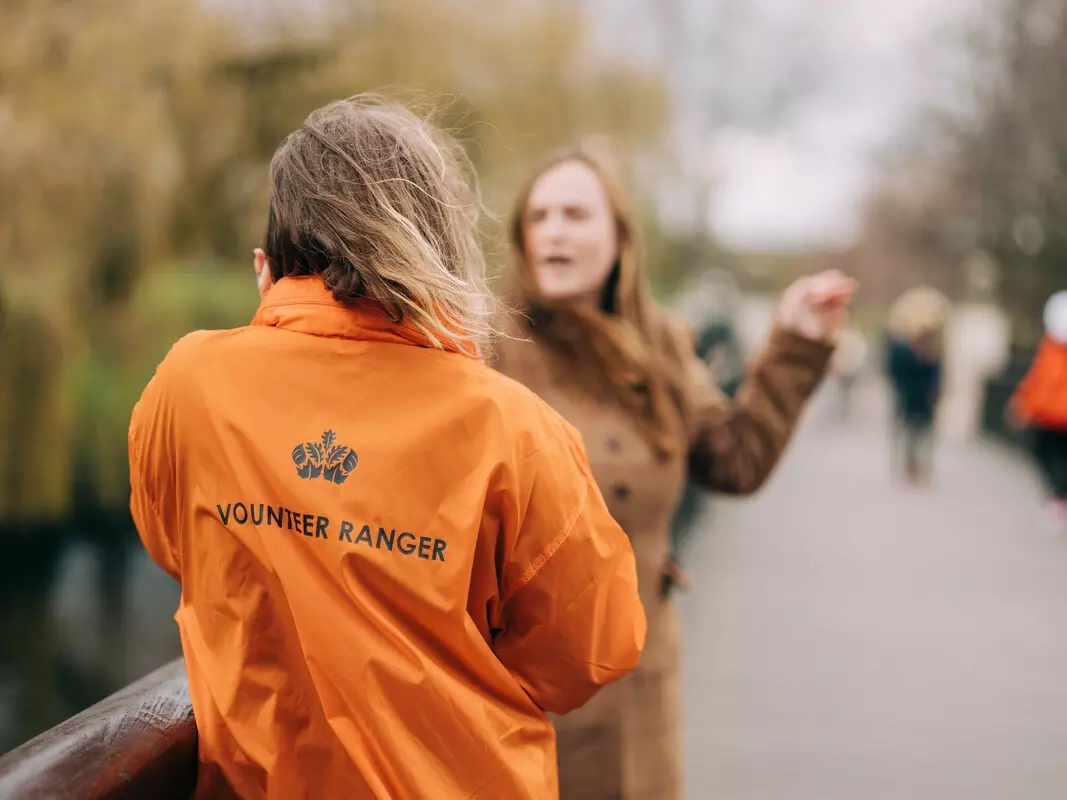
(626, 742)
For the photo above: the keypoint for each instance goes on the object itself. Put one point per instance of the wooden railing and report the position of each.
(138, 743)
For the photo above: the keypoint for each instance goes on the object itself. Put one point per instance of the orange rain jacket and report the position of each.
(1041, 397)
(393, 560)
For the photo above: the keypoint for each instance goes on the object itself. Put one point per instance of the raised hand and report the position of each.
(817, 306)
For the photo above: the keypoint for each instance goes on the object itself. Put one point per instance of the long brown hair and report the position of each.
(623, 344)
(382, 205)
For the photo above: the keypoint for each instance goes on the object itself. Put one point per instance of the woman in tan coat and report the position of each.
(590, 341)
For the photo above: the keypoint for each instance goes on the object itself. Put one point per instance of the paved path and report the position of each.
(848, 638)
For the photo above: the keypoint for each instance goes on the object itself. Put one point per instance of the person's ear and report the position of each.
(264, 279)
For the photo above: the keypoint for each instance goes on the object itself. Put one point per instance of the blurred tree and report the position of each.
(35, 422)
(90, 151)
(1012, 165)
(88, 146)
(989, 183)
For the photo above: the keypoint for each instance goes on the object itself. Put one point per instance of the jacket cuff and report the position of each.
(812, 353)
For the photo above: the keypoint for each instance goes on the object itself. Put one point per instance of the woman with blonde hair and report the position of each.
(393, 560)
(916, 329)
(592, 343)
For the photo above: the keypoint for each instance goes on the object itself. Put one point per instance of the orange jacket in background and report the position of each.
(1041, 397)
(392, 559)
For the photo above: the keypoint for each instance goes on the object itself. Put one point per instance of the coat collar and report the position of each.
(306, 305)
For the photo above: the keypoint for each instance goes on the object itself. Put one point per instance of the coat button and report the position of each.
(622, 491)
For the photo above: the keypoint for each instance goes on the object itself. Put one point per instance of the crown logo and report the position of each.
(325, 459)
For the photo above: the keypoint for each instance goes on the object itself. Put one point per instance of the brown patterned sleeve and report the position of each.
(734, 446)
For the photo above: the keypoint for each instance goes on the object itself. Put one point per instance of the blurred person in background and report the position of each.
(392, 624)
(590, 341)
(717, 347)
(707, 304)
(846, 367)
(915, 346)
(1039, 405)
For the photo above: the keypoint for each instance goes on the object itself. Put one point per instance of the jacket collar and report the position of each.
(306, 305)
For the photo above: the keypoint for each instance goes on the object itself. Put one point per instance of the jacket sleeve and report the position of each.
(152, 494)
(736, 445)
(572, 618)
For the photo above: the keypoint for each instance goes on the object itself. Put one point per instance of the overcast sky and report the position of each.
(814, 90)
(800, 180)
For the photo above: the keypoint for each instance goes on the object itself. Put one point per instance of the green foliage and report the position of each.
(35, 423)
